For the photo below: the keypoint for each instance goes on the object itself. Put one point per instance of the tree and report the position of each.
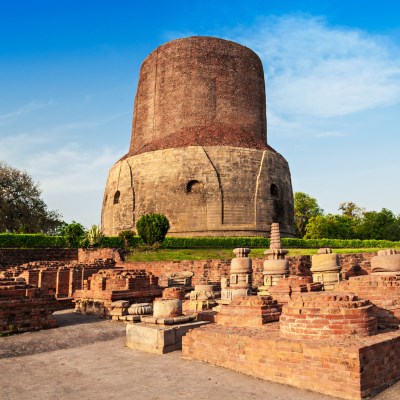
(381, 225)
(152, 228)
(330, 227)
(73, 232)
(305, 207)
(21, 207)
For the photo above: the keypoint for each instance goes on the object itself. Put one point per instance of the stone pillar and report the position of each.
(325, 268)
(240, 280)
(170, 305)
(276, 266)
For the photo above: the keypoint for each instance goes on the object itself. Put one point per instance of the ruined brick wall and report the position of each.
(356, 264)
(199, 152)
(213, 270)
(91, 256)
(11, 257)
(24, 308)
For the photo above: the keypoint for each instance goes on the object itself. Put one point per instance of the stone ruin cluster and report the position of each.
(288, 328)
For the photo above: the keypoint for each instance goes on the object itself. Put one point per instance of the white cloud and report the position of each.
(313, 69)
(71, 176)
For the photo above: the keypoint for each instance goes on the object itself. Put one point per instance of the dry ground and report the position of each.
(85, 358)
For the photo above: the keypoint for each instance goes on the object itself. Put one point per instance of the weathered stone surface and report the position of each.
(199, 130)
(240, 279)
(167, 308)
(158, 339)
(325, 268)
(387, 262)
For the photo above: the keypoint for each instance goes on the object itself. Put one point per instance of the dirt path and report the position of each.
(86, 359)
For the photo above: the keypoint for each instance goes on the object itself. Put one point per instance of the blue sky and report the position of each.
(69, 70)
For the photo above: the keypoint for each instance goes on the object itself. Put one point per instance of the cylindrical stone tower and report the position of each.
(198, 151)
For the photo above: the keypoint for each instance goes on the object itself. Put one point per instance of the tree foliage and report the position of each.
(354, 223)
(305, 207)
(73, 233)
(152, 228)
(21, 207)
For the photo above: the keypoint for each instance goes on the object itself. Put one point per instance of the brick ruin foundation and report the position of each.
(349, 330)
(107, 286)
(325, 342)
(24, 307)
(382, 291)
(342, 342)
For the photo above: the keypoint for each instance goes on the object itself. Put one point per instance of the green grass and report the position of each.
(219, 254)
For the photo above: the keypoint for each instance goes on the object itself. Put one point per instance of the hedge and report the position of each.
(31, 240)
(40, 240)
(215, 242)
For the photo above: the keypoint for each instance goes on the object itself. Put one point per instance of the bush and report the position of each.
(73, 233)
(127, 237)
(93, 237)
(152, 228)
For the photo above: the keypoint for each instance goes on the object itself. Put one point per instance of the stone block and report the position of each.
(158, 339)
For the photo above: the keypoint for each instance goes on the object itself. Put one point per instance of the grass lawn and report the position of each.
(218, 254)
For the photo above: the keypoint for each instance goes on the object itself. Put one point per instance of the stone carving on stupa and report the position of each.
(325, 268)
(240, 279)
(387, 262)
(276, 266)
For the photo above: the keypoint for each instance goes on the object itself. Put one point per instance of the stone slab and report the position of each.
(158, 339)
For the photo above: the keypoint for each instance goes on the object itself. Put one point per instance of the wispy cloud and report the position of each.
(329, 134)
(90, 123)
(25, 109)
(317, 70)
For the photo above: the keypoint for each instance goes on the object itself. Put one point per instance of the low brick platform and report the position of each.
(352, 368)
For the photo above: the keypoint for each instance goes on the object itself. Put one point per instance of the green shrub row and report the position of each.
(31, 240)
(337, 243)
(40, 240)
(215, 242)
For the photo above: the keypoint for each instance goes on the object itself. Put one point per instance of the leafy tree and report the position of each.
(152, 228)
(21, 207)
(305, 207)
(73, 233)
(330, 227)
(380, 225)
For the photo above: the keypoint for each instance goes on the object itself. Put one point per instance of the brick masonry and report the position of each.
(214, 270)
(350, 369)
(24, 307)
(14, 257)
(382, 291)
